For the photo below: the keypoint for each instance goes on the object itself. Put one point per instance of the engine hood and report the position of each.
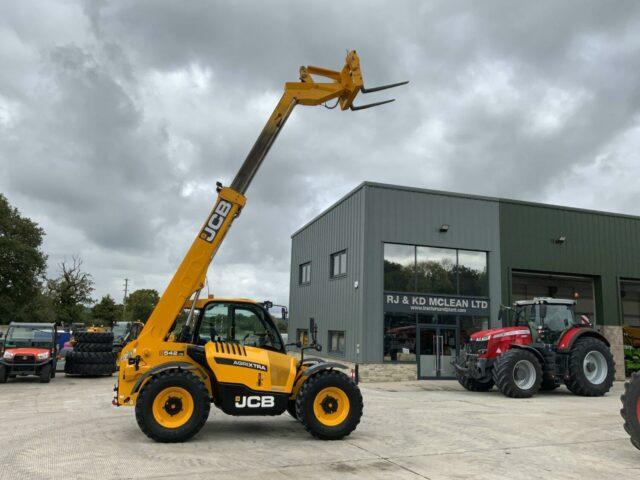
(504, 331)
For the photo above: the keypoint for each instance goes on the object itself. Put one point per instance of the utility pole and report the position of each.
(124, 300)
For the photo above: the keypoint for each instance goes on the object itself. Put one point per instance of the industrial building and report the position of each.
(398, 278)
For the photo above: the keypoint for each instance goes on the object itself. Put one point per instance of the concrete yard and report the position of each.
(68, 429)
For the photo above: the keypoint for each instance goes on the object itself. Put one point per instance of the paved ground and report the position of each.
(435, 430)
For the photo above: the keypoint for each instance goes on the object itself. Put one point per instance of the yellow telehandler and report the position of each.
(193, 352)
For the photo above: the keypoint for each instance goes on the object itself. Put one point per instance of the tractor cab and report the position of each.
(547, 318)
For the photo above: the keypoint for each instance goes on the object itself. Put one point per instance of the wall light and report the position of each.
(444, 228)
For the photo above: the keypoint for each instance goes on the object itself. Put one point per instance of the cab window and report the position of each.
(238, 324)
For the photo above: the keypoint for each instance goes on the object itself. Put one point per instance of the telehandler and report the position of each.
(193, 352)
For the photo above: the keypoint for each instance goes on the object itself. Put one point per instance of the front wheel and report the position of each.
(173, 406)
(329, 405)
(518, 373)
(591, 368)
(45, 374)
(4, 374)
(631, 409)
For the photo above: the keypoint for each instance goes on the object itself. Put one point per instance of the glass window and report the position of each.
(304, 275)
(470, 325)
(339, 263)
(336, 342)
(472, 273)
(302, 334)
(630, 299)
(399, 338)
(435, 270)
(399, 267)
(230, 323)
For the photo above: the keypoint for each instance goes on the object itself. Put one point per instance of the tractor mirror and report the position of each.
(313, 331)
(1, 334)
(543, 311)
(285, 314)
(502, 317)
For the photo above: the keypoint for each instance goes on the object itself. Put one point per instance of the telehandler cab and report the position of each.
(193, 352)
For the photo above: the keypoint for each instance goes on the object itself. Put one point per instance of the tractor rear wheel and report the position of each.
(173, 406)
(474, 385)
(518, 374)
(631, 409)
(591, 368)
(329, 405)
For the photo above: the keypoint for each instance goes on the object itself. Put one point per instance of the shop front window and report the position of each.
(472, 273)
(399, 267)
(470, 325)
(399, 338)
(435, 270)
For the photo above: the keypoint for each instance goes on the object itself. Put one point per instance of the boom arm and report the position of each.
(190, 276)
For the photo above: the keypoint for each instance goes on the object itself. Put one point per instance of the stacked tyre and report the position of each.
(92, 355)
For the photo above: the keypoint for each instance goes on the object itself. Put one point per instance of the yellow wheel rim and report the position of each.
(173, 407)
(331, 406)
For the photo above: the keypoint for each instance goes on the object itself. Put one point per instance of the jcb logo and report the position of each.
(255, 401)
(215, 221)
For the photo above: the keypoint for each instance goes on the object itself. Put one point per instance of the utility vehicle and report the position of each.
(228, 352)
(29, 349)
(546, 346)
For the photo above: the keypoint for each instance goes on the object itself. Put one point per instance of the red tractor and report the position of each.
(545, 346)
(631, 409)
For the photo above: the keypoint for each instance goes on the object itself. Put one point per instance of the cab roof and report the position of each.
(201, 302)
(547, 300)
(32, 325)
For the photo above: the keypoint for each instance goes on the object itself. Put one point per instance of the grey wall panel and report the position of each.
(402, 215)
(334, 303)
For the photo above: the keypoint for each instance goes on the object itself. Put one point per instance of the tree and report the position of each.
(106, 312)
(71, 292)
(22, 263)
(140, 304)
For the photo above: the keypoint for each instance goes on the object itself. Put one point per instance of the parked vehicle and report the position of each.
(29, 349)
(546, 346)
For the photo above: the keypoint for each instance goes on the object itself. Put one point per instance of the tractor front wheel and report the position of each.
(591, 368)
(329, 405)
(173, 406)
(518, 373)
(474, 385)
(631, 409)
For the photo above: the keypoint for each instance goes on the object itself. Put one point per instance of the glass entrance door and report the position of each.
(438, 346)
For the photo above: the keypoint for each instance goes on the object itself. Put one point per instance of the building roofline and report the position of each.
(465, 196)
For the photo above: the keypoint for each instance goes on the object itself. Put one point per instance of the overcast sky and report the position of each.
(117, 119)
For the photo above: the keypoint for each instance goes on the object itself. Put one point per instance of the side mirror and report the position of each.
(285, 314)
(1, 334)
(501, 317)
(313, 331)
(543, 311)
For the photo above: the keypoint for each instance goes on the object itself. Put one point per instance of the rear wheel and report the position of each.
(4, 374)
(631, 409)
(173, 406)
(329, 405)
(474, 385)
(45, 374)
(518, 373)
(591, 368)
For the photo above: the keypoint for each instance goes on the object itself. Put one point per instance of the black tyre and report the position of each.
(631, 409)
(94, 337)
(92, 357)
(4, 374)
(45, 374)
(591, 368)
(329, 405)
(173, 406)
(518, 373)
(474, 385)
(89, 369)
(93, 347)
(291, 408)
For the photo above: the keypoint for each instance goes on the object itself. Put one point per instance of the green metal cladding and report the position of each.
(603, 246)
